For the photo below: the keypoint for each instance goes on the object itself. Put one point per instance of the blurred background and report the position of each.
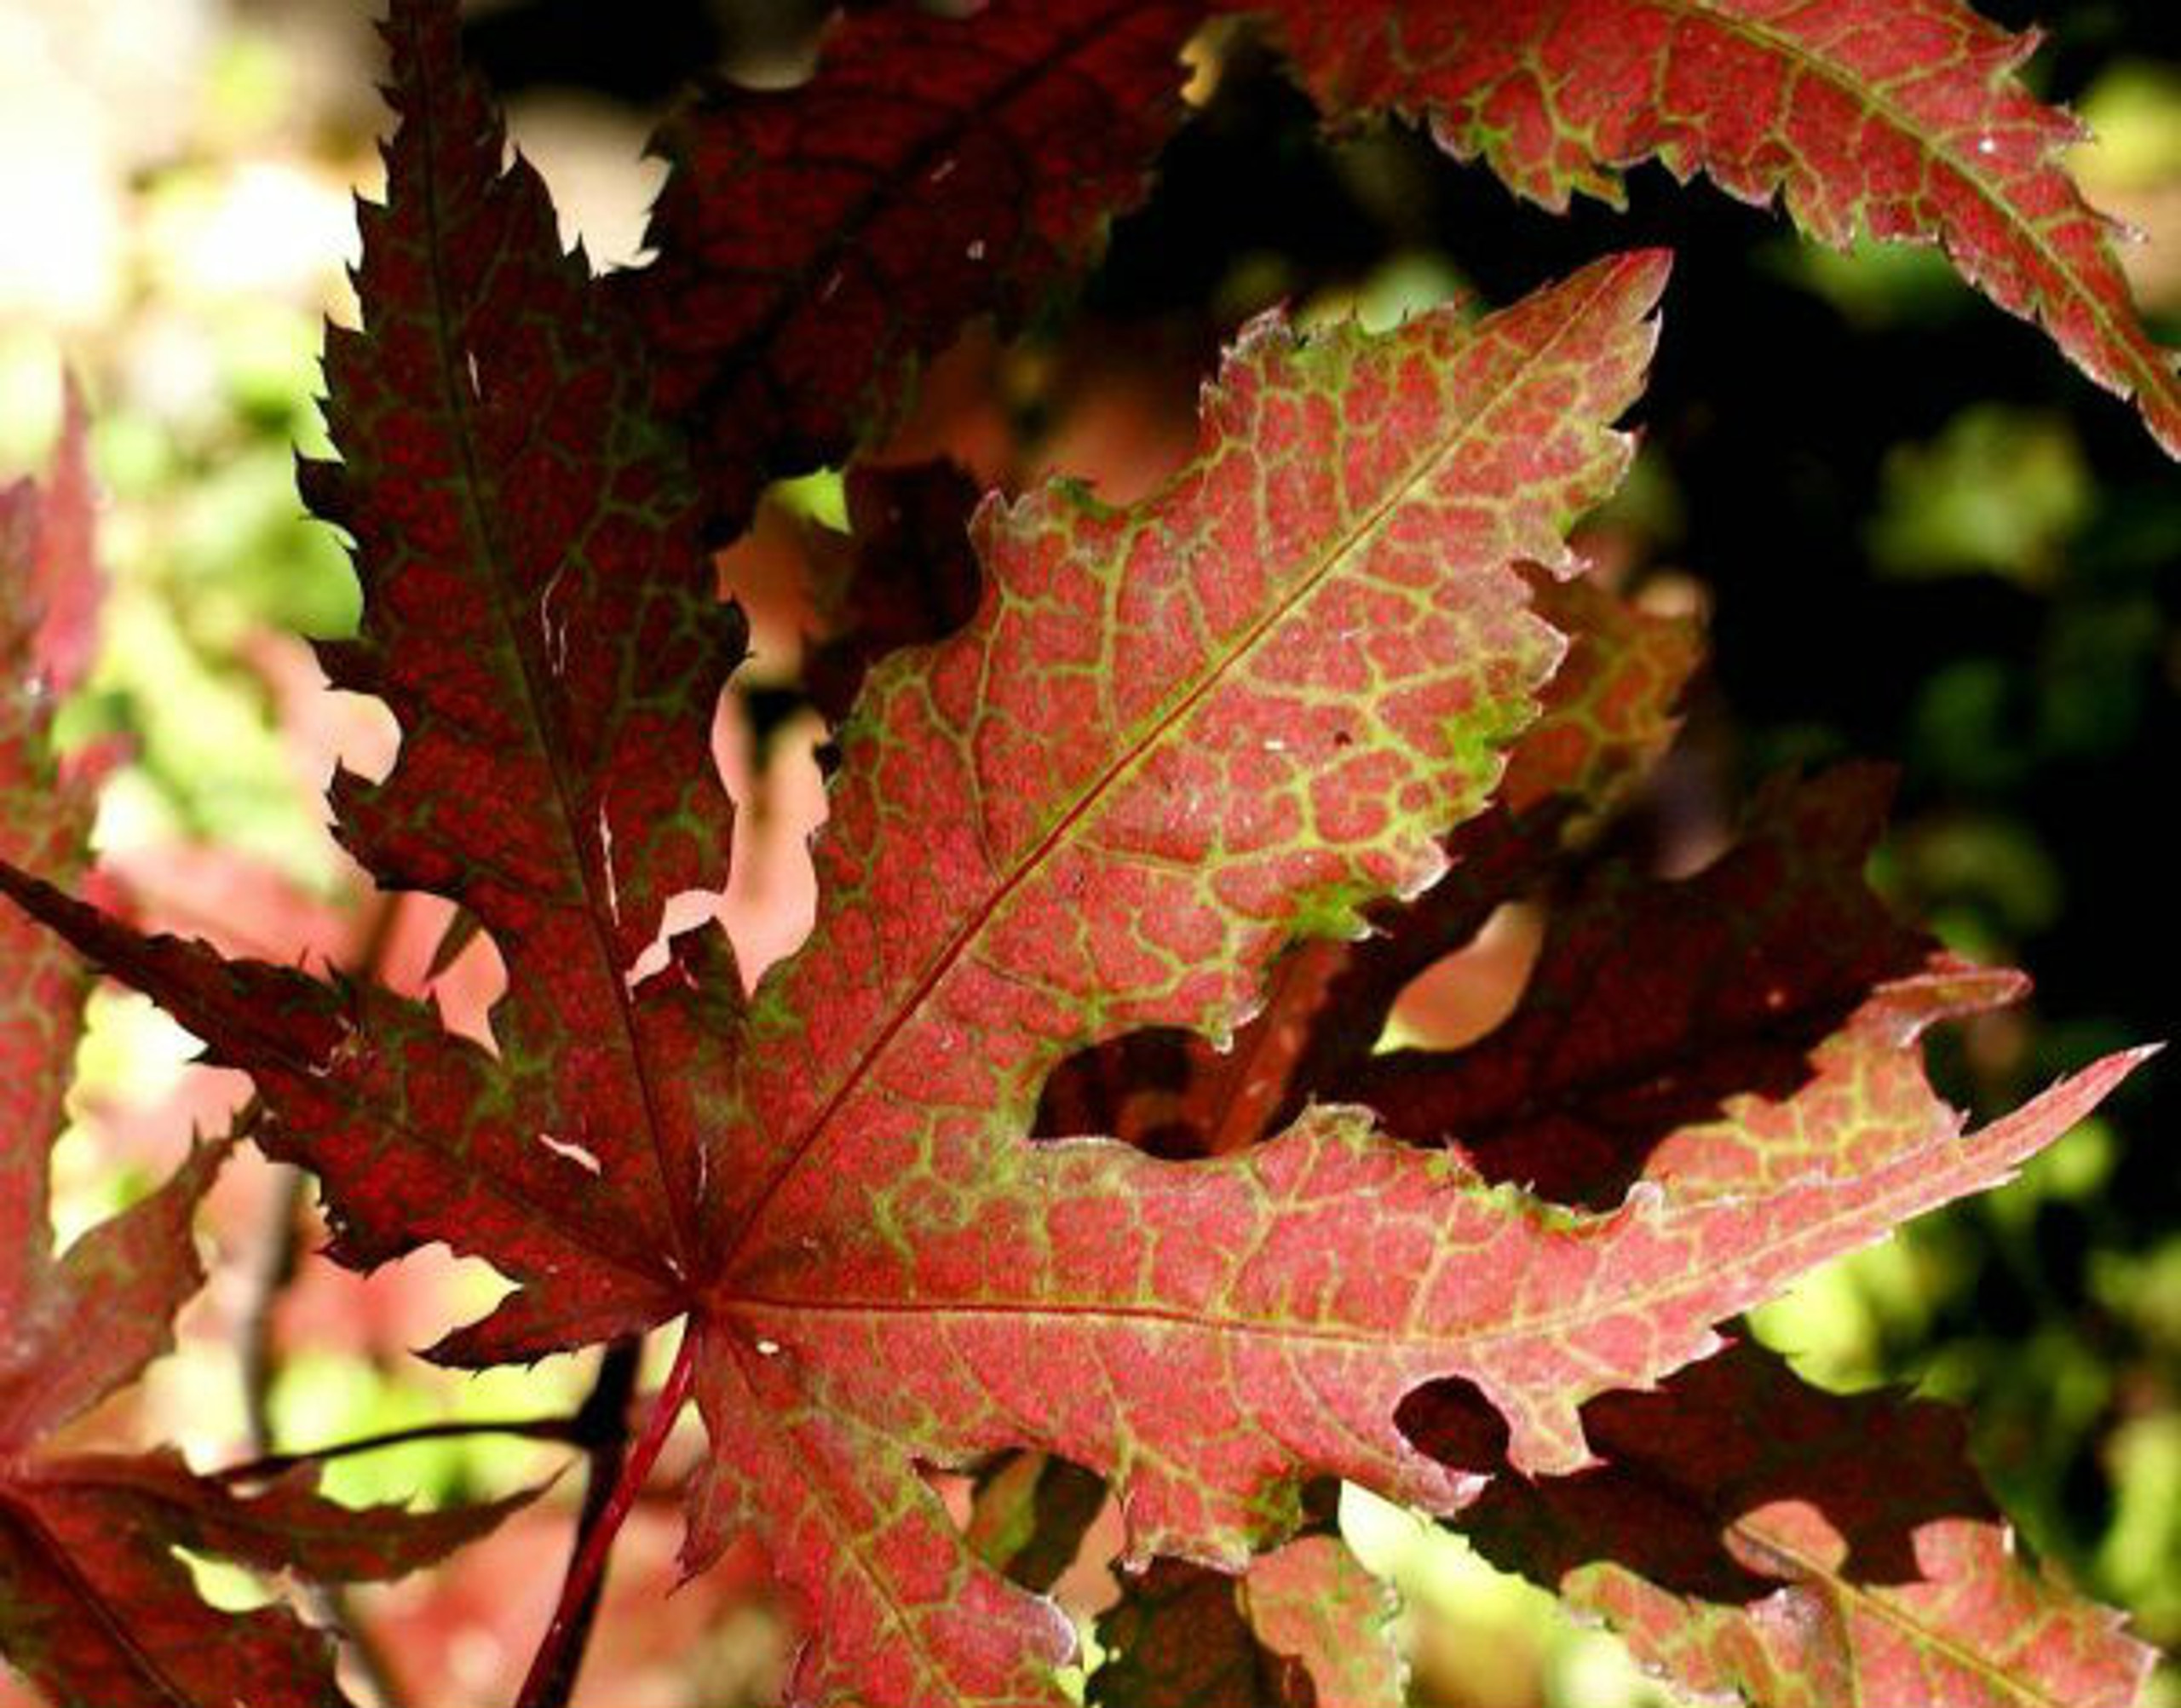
(1914, 532)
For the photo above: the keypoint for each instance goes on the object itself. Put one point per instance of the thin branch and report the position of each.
(278, 1256)
(571, 1431)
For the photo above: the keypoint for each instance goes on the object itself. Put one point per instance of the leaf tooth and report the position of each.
(322, 482)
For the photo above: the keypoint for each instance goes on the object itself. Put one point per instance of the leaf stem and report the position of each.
(570, 1430)
(551, 1677)
(603, 1421)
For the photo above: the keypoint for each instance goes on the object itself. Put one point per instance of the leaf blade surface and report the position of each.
(937, 168)
(1904, 121)
(1751, 1533)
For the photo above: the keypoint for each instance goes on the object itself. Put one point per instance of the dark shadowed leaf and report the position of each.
(1750, 1533)
(814, 244)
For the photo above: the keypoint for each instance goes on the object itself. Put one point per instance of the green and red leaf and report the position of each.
(1177, 759)
(101, 1613)
(1608, 713)
(1750, 1534)
(48, 591)
(1900, 119)
(1311, 1601)
(1178, 734)
(540, 617)
(1107, 846)
(82, 1325)
(1200, 1344)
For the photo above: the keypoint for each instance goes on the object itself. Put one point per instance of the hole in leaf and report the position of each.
(1135, 1088)
(779, 798)
(1044, 1521)
(223, 1584)
(581, 1155)
(466, 993)
(686, 911)
(1469, 994)
(428, 948)
(1452, 1421)
(367, 737)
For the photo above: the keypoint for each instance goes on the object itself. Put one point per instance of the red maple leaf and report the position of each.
(1898, 119)
(814, 244)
